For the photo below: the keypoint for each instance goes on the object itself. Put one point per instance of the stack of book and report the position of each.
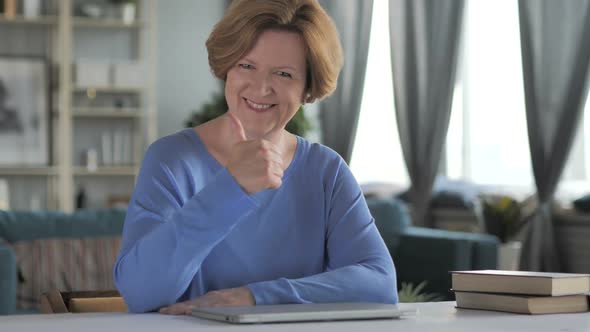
(521, 291)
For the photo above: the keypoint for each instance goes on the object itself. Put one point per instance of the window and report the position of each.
(487, 141)
(377, 154)
(490, 111)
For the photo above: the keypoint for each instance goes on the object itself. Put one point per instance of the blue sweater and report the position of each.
(191, 229)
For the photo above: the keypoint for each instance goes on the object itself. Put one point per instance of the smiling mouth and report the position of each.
(258, 107)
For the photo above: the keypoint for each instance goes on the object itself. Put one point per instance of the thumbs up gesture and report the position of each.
(256, 164)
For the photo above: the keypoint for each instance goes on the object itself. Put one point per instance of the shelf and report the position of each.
(84, 22)
(21, 20)
(108, 112)
(27, 171)
(106, 171)
(106, 89)
(88, 114)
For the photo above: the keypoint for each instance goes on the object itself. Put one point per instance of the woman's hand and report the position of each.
(221, 298)
(255, 164)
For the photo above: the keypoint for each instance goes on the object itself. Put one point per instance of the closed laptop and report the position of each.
(299, 312)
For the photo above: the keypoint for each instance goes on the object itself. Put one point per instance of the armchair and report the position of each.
(424, 254)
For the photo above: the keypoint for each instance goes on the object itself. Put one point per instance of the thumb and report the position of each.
(237, 127)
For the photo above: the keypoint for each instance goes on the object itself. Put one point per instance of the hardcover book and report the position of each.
(524, 304)
(521, 282)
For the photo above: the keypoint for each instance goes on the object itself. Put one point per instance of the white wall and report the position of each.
(184, 80)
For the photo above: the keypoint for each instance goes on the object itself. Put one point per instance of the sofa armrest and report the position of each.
(8, 280)
(428, 255)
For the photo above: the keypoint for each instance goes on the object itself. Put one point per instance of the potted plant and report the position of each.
(502, 215)
(217, 106)
(504, 218)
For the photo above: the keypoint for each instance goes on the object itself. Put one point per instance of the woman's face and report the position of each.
(265, 88)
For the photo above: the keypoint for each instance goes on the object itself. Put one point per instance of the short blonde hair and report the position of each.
(245, 20)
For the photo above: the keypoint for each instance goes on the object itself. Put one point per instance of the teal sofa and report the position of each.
(425, 254)
(419, 254)
(17, 229)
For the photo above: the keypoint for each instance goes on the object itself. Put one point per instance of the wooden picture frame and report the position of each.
(24, 111)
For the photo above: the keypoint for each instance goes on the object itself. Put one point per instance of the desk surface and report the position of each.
(439, 316)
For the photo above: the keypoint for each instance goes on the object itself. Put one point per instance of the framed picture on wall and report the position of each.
(24, 111)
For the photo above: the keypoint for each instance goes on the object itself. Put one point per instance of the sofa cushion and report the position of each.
(391, 218)
(67, 264)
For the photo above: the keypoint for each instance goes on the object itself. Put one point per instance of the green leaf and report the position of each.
(411, 293)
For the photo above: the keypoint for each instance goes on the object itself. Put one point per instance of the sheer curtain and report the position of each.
(424, 50)
(556, 62)
(339, 112)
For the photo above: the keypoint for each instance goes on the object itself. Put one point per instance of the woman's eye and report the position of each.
(245, 66)
(284, 74)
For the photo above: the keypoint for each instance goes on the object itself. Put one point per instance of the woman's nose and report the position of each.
(263, 84)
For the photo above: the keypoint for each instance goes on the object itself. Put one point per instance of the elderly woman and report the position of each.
(238, 211)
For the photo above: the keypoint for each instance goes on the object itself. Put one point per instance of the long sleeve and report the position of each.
(168, 232)
(359, 267)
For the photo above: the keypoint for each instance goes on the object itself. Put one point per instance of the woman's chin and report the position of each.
(258, 132)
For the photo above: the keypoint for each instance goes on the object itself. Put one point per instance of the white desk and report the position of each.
(441, 316)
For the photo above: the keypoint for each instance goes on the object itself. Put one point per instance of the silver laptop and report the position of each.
(299, 312)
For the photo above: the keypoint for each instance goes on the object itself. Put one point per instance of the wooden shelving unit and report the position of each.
(107, 24)
(105, 89)
(28, 171)
(106, 112)
(70, 119)
(41, 20)
(106, 171)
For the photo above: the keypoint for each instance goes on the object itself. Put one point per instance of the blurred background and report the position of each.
(471, 115)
